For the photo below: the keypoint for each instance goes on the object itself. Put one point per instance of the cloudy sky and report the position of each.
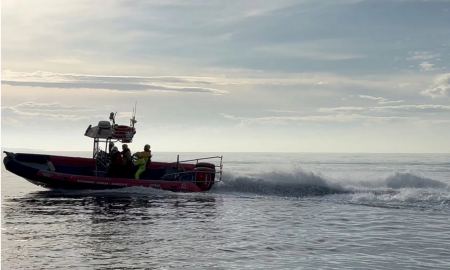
(288, 76)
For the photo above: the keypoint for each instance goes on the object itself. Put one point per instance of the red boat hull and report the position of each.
(94, 182)
(59, 172)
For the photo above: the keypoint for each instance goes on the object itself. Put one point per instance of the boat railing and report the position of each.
(101, 162)
(219, 167)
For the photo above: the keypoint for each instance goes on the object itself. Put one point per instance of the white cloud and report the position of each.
(340, 117)
(346, 114)
(391, 101)
(389, 108)
(48, 110)
(426, 66)
(342, 109)
(422, 55)
(180, 84)
(380, 100)
(282, 111)
(67, 61)
(414, 107)
(215, 81)
(372, 98)
(440, 87)
(436, 121)
(299, 50)
(423, 59)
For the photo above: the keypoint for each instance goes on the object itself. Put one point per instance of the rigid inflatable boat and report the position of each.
(63, 172)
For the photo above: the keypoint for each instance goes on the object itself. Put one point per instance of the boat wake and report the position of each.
(296, 184)
(408, 180)
(396, 190)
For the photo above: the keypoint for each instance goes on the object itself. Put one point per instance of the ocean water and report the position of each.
(271, 211)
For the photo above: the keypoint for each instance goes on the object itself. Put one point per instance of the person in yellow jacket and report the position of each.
(143, 158)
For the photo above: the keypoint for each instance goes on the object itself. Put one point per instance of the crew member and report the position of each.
(143, 158)
(110, 146)
(115, 163)
(127, 160)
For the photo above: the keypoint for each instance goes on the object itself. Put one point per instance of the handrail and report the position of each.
(197, 159)
(188, 172)
(220, 166)
(101, 162)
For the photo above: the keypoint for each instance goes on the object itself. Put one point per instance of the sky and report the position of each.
(229, 76)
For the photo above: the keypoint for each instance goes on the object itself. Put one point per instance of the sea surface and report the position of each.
(271, 211)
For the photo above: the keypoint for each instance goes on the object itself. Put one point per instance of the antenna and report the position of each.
(133, 118)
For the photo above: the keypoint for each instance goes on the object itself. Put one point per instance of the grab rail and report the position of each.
(197, 159)
(220, 166)
(101, 162)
